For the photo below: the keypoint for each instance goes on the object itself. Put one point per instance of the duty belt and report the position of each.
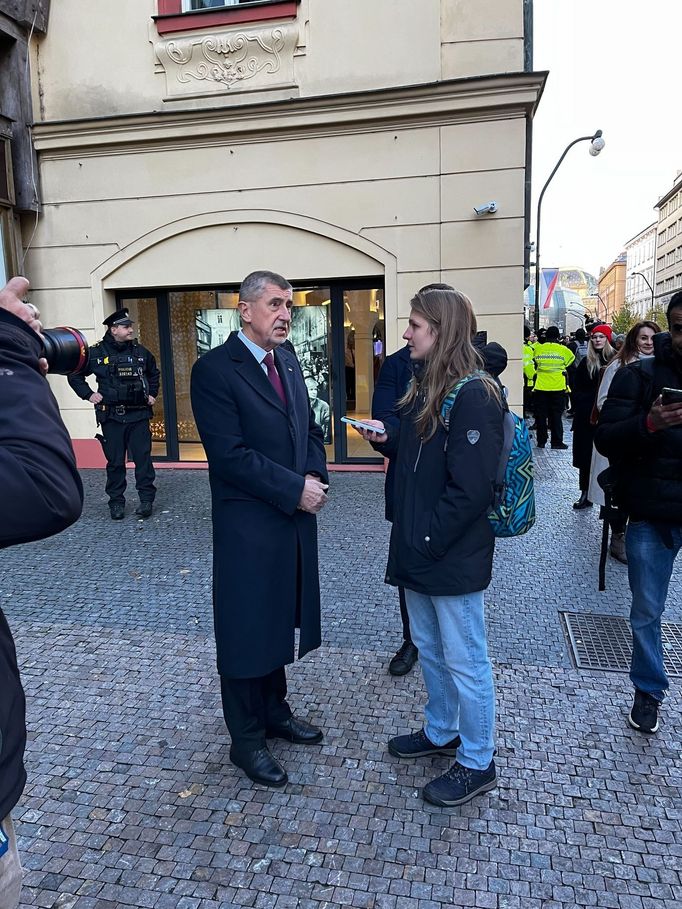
(121, 409)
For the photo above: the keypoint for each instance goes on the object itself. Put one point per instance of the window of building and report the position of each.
(191, 6)
(188, 15)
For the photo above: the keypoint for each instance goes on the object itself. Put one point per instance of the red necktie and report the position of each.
(273, 375)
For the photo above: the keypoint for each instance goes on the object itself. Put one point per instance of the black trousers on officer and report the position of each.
(136, 439)
(549, 405)
(252, 706)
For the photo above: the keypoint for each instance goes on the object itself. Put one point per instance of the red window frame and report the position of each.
(171, 18)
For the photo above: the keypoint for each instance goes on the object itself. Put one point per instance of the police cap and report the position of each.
(120, 317)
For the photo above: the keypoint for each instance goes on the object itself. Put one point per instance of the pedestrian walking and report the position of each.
(442, 543)
(41, 495)
(127, 387)
(640, 432)
(268, 478)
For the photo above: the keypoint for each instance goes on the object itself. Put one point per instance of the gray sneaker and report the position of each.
(418, 744)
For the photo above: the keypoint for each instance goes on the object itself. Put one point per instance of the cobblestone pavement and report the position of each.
(131, 798)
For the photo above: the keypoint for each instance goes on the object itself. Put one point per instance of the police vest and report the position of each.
(121, 375)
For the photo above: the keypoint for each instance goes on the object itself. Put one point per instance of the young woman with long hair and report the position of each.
(441, 547)
(638, 344)
(586, 383)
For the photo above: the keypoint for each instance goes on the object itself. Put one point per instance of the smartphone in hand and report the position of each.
(358, 424)
(671, 396)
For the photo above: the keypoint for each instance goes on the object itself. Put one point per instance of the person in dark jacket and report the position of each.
(127, 386)
(585, 387)
(394, 377)
(442, 544)
(41, 495)
(641, 435)
(268, 476)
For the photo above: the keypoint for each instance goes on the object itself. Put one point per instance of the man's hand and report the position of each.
(151, 400)
(314, 495)
(11, 299)
(663, 416)
(95, 398)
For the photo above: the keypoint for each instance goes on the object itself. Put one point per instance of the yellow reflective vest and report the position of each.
(528, 364)
(551, 360)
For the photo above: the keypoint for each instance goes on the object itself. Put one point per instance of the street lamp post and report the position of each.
(596, 145)
(646, 281)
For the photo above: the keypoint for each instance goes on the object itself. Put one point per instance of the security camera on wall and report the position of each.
(488, 208)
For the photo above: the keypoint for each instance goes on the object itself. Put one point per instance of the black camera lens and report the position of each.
(66, 350)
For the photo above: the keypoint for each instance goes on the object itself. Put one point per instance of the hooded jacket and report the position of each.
(647, 466)
(41, 495)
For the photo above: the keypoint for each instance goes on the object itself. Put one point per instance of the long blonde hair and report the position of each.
(450, 316)
(597, 359)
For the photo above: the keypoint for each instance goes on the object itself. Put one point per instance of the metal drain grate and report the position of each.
(605, 642)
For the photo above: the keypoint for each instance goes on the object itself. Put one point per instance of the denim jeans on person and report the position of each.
(651, 550)
(449, 633)
(10, 869)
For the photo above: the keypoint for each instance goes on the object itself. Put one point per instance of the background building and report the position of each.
(611, 287)
(344, 145)
(669, 244)
(641, 258)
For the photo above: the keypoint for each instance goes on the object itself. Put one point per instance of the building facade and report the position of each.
(611, 288)
(669, 244)
(343, 145)
(640, 269)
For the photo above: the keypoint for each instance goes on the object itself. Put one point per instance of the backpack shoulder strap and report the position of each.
(451, 397)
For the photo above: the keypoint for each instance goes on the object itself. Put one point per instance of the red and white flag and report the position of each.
(548, 281)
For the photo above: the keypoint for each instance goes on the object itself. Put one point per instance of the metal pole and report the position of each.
(537, 221)
(646, 281)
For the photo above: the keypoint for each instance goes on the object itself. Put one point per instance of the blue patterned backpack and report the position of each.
(513, 511)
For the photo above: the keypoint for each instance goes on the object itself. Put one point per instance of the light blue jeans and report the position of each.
(651, 554)
(449, 633)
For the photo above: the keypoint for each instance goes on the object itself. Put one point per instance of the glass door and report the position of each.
(337, 332)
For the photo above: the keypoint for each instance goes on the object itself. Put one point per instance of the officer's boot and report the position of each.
(144, 510)
(117, 511)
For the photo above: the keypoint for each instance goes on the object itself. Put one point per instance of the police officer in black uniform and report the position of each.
(127, 386)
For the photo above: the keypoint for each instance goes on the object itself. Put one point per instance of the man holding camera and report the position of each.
(41, 495)
(640, 432)
(127, 386)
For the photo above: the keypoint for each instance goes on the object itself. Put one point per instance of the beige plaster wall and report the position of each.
(110, 60)
(365, 204)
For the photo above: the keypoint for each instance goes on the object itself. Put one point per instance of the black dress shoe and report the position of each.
(261, 767)
(117, 511)
(297, 731)
(144, 510)
(404, 659)
(583, 502)
(560, 446)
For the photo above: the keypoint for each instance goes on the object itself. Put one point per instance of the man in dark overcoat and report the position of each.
(268, 480)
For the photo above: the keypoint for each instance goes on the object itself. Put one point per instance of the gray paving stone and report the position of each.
(132, 801)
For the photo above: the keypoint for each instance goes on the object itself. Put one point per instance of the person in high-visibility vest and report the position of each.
(528, 372)
(551, 361)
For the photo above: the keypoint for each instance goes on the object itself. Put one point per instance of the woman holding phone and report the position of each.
(441, 547)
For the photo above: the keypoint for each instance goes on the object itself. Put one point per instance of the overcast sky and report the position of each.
(616, 67)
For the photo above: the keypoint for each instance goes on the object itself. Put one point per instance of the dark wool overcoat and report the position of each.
(583, 397)
(265, 572)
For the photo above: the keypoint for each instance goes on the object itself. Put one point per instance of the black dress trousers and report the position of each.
(252, 706)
